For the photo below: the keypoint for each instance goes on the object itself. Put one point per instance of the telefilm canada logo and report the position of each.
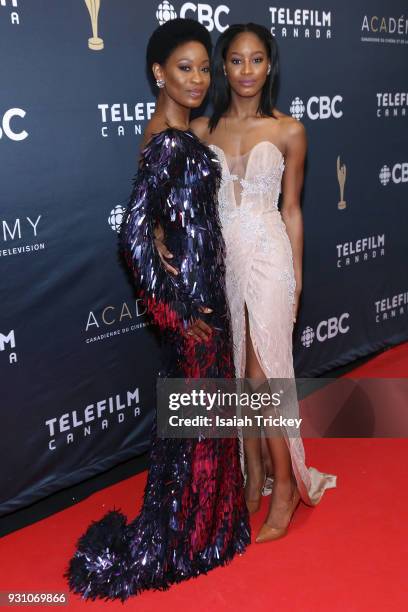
(385, 29)
(309, 24)
(11, 127)
(114, 320)
(358, 251)
(21, 235)
(391, 307)
(12, 6)
(392, 104)
(122, 119)
(397, 174)
(212, 16)
(326, 329)
(317, 107)
(8, 345)
(100, 415)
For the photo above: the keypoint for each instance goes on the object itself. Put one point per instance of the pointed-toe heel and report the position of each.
(267, 533)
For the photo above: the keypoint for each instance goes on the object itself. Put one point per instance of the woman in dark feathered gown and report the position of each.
(194, 516)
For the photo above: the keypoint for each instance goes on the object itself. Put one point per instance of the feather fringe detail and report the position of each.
(176, 186)
(106, 566)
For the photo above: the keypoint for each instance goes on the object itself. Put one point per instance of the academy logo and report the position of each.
(384, 29)
(21, 235)
(12, 7)
(8, 342)
(114, 320)
(95, 43)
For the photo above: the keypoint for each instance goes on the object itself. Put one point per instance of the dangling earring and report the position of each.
(269, 69)
(160, 83)
(225, 72)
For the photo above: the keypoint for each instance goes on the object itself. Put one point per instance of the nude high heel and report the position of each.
(254, 505)
(268, 533)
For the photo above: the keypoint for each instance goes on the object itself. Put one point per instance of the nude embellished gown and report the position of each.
(260, 274)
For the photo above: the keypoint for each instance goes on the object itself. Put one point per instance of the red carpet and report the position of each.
(347, 554)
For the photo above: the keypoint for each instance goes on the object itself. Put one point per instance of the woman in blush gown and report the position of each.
(193, 516)
(262, 153)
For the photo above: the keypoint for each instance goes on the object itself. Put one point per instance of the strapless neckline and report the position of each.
(248, 153)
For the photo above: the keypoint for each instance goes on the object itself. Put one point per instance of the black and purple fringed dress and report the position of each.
(194, 516)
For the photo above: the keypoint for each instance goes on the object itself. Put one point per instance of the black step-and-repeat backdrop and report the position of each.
(78, 361)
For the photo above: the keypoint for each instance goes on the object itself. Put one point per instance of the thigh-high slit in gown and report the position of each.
(260, 276)
(193, 516)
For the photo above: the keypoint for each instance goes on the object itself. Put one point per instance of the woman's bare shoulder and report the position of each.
(290, 126)
(200, 127)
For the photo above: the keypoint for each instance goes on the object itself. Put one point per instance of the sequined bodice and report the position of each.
(252, 180)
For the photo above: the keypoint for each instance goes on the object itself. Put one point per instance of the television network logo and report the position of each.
(397, 174)
(10, 126)
(317, 107)
(210, 16)
(326, 330)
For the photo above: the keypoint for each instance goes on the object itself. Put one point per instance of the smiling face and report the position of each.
(186, 74)
(247, 64)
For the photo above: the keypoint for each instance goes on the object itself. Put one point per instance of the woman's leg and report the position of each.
(255, 470)
(284, 486)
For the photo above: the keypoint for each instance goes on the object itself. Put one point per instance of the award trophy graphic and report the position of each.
(341, 177)
(95, 43)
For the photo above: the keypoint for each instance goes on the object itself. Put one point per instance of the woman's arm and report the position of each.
(292, 184)
(173, 299)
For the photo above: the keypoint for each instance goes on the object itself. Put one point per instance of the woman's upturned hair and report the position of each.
(166, 38)
(220, 88)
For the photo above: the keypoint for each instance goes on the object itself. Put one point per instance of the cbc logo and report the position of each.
(205, 14)
(9, 126)
(317, 107)
(116, 217)
(398, 174)
(326, 330)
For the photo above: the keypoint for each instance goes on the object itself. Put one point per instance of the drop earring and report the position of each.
(160, 83)
(269, 69)
(225, 72)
